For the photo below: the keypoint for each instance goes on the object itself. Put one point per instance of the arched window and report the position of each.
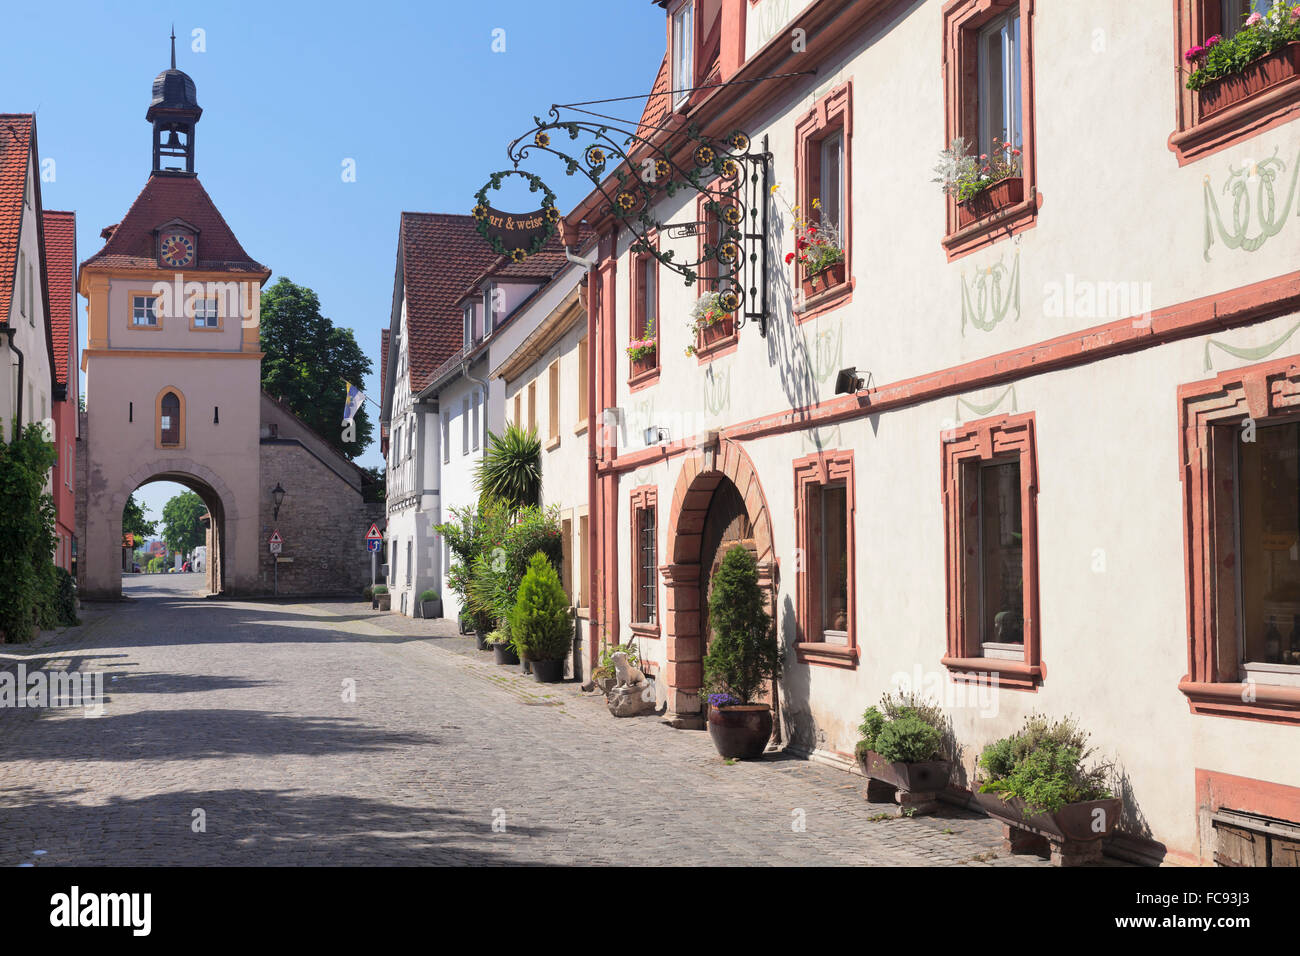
(169, 420)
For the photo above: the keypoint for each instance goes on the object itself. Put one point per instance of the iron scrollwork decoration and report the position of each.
(516, 236)
(733, 178)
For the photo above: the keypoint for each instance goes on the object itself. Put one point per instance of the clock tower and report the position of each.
(172, 359)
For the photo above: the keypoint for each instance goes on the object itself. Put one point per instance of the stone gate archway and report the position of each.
(684, 577)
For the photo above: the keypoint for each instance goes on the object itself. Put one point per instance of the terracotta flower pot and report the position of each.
(1258, 76)
(828, 278)
(741, 731)
(995, 198)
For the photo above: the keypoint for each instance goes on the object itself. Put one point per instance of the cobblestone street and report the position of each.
(237, 710)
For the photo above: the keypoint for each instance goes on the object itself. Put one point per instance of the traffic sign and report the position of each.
(276, 542)
(374, 534)
(373, 546)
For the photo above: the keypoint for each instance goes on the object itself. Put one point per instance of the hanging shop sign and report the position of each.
(517, 235)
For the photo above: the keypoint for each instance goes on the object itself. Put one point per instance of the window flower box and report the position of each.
(990, 201)
(1259, 75)
(828, 278)
(712, 319)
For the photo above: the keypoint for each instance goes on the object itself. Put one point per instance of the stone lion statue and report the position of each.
(625, 674)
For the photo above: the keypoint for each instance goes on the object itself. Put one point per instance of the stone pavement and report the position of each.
(233, 714)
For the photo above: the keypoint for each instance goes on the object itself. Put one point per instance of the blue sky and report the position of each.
(413, 92)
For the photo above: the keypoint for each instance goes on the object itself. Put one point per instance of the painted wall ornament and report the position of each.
(826, 352)
(993, 294)
(1250, 354)
(1256, 218)
(717, 390)
(633, 174)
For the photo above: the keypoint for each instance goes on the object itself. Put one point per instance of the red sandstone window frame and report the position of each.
(642, 373)
(831, 113)
(811, 474)
(639, 501)
(999, 437)
(962, 22)
(724, 337)
(1193, 137)
(1210, 415)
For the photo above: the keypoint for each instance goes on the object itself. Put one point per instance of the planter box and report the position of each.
(828, 278)
(431, 609)
(1259, 75)
(917, 785)
(1070, 833)
(384, 602)
(711, 335)
(994, 199)
(645, 364)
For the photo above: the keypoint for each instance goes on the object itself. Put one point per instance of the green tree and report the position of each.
(540, 625)
(28, 585)
(307, 360)
(743, 653)
(134, 520)
(511, 467)
(182, 530)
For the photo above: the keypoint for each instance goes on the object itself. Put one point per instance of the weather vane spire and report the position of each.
(173, 46)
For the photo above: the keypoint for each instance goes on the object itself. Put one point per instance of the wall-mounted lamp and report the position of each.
(849, 382)
(655, 435)
(277, 496)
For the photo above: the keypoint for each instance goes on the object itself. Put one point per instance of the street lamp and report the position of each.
(277, 495)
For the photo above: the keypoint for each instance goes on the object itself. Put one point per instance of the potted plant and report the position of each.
(603, 676)
(1264, 53)
(644, 347)
(818, 251)
(430, 604)
(743, 656)
(711, 319)
(368, 594)
(982, 185)
(1036, 784)
(901, 747)
(503, 648)
(382, 599)
(541, 622)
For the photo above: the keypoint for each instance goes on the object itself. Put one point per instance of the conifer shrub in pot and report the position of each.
(901, 746)
(743, 656)
(541, 623)
(1037, 781)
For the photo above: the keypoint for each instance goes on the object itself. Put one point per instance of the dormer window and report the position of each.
(683, 65)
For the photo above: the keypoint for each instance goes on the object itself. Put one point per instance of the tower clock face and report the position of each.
(177, 249)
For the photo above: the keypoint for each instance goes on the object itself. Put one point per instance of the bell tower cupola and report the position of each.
(173, 111)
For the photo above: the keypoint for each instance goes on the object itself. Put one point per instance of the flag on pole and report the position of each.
(352, 401)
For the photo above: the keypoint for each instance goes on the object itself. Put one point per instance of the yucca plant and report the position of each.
(511, 467)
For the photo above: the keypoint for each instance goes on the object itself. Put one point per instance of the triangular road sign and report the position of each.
(374, 533)
(275, 537)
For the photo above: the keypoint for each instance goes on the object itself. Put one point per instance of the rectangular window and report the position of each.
(1235, 13)
(832, 181)
(584, 556)
(464, 425)
(532, 407)
(1268, 515)
(144, 310)
(683, 64)
(205, 313)
(446, 437)
(468, 322)
(643, 505)
(990, 494)
(649, 304)
(474, 431)
(22, 280)
(644, 323)
(582, 382)
(824, 515)
(553, 402)
(1000, 558)
(999, 83)
(519, 411)
(408, 562)
(566, 569)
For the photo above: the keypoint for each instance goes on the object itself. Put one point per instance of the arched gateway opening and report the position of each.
(718, 503)
(206, 555)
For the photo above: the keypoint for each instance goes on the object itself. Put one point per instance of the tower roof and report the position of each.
(173, 89)
(133, 245)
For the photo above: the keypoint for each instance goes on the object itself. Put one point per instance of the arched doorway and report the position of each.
(718, 502)
(205, 551)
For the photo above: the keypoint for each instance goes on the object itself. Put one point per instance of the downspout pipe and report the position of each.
(589, 265)
(10, 331)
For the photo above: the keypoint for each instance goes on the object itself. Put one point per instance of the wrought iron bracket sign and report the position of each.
(634, 175)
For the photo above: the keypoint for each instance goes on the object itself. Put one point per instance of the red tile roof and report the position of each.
(541, 267)
(659, 104)
(383, 357)
(133, 245)
(61, 274)
(440, 254)
(17, 131)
